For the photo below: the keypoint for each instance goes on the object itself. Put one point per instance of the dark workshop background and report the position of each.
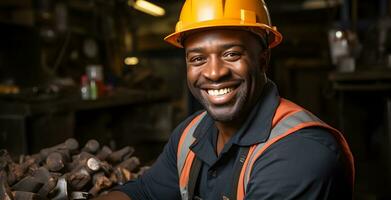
(335, 60)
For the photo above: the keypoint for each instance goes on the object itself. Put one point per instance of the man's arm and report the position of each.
(116, 195)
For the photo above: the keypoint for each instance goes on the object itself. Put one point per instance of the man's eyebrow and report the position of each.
(224, 46)
(193, 50)
(228, 46)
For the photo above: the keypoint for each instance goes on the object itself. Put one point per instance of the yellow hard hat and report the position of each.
(251, 15)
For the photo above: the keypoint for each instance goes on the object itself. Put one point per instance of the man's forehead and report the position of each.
(222, 37)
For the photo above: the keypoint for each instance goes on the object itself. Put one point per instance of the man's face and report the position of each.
(225, 72)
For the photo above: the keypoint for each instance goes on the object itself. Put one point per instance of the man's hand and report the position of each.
(114, 196)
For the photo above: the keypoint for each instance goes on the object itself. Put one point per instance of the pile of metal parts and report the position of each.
(67, 172)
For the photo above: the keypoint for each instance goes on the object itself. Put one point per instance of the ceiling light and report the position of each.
(320, 4)
(338, 34)
(131, 61)
(147, 7)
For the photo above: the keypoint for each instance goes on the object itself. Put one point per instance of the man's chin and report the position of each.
(222, 116)
(222, 113)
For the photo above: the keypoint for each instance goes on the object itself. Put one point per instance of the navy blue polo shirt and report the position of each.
(308, 164)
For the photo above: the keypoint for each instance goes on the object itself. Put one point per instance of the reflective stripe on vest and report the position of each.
(282, 127)
(185, 157)
(288, 118)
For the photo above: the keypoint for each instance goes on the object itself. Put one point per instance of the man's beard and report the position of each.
(216, 112)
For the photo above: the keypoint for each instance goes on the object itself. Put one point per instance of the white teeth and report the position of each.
(219, 92)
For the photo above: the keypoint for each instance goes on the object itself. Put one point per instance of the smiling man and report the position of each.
(226, 74)
(248, 143)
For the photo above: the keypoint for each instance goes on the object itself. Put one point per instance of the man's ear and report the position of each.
(265, 59)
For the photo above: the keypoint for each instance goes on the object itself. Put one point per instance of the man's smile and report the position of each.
(218, 94)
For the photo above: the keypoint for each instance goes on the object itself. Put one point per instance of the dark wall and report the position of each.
(20, 57)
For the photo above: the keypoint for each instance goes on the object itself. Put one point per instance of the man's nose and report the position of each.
(215, 69)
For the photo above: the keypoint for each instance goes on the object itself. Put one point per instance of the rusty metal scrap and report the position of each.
(101, 182)
(5, 190)
(120, 155)
(92, 146)
(104, 153)
(65, 172)
(22, 195)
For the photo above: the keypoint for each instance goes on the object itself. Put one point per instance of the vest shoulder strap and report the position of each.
(243, 153)
(193, 177)
(185, 157)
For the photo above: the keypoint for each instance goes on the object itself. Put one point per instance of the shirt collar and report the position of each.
(257, 126)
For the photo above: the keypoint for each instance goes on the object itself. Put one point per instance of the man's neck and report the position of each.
(227, 130)
(225, 133)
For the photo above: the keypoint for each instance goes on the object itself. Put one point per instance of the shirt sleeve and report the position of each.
(308, 164)
(161, 180)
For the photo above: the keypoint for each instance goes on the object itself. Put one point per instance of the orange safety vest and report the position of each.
(288, 119)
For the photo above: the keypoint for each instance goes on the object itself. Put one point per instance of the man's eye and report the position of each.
(197, 60)
(232, 56)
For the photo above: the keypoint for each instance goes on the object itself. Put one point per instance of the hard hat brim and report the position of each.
(275, 37)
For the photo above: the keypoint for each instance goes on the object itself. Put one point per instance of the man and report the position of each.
(249, 143)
